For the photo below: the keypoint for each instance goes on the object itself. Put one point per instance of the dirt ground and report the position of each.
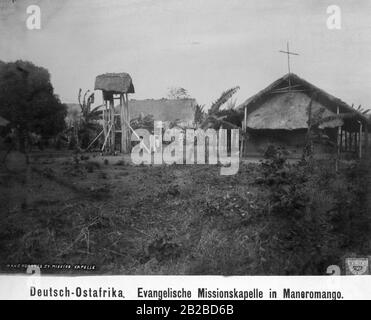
(112, 217)
(124, 219)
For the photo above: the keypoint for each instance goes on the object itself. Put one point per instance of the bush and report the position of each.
(311, 217)
(120, 163)
(274, 152)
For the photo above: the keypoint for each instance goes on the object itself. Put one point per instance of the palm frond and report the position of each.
(96, 108)
(226, 95)
(360, 109)
(97, 114)
(199, 113)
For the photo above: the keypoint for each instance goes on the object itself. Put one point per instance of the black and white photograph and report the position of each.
(185, 138)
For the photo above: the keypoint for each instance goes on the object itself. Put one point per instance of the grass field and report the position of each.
(180, 219)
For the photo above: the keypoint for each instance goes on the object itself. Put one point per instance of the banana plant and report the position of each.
(88, 126)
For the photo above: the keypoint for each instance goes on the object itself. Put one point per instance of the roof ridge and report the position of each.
(325, 95)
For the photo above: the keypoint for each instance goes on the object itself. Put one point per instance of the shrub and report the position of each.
(91, 165)
(120, 163)
(310, 218)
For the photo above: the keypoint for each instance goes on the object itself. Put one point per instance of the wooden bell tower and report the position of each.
(116, 116)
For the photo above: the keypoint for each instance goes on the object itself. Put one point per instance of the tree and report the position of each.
(224, 98)
(88, 126)
(316, 120)
(176, 93)
(216, 118)
(28, 101)
(199, 114)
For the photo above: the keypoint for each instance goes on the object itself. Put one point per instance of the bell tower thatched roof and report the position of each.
(115, 83)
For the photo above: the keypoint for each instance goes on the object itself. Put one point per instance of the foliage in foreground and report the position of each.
(270, 218)
(313, 216)
(28, 101)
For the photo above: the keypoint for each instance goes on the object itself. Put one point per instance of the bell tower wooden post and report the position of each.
(125, 121)
(116, 87)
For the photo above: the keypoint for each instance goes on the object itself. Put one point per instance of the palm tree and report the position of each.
(225, 96)
(199, 114)
(215, 118)
(316, 119)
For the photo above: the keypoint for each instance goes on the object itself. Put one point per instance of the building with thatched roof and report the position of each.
(282, 113)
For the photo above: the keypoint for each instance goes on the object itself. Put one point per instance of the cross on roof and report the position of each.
(288, 52)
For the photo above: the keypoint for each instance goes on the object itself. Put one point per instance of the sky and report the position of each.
(204, 46)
